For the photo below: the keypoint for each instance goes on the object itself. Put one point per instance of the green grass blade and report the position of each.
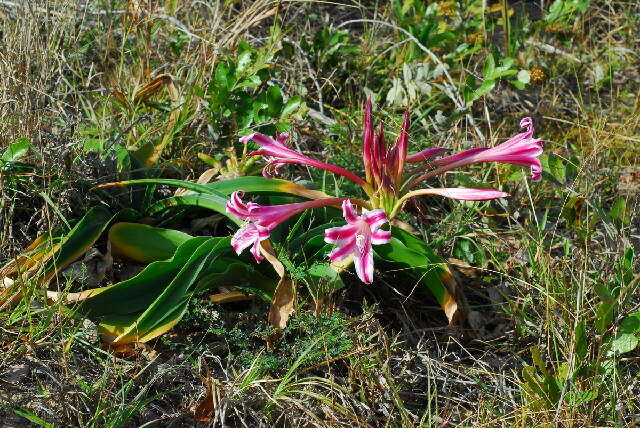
(32, 417)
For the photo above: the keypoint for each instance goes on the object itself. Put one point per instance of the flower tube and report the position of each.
(425, 155)
(281, 154)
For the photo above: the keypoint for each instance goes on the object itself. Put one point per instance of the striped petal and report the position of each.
(342, 251)
(380, 237)
(375, 218)
(349, 212)
(335, 234)
(364, 258)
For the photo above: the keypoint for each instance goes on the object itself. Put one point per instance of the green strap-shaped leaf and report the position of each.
(248, 184)
(153, 301)
(212, 201)
(83, 235)
(169, 307)
(416, 244)
(137, 293)
(143, 243)
(195, 187)
(233, 273)
(309, 243)
(213, 196)
(251, 184)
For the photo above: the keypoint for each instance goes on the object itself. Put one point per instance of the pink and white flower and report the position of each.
(250, 235)
(263, 219)
(521, 149)
(265, 216)
(357, 238)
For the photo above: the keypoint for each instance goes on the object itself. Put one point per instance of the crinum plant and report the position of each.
(392, 177)
(179, 265)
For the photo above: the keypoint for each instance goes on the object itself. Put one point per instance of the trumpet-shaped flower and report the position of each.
(263, 219)
(521, 149)
(357, 238)
(266, 216)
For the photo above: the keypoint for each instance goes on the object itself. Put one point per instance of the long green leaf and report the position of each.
(213, 196)
(213, 201)
(195, 187)
(137, 293)
(308, 243)
(153, 301)
(143, 243)
(83, 235)
(32, 417)
(251, 184)
(233, 273)
(226, 187)
(169, 307)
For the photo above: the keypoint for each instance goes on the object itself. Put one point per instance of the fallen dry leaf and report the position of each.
(455, 303)
(8, 301)
(282, 306)
(92, 268)
(203, 411)
(152, 87)
(267, 251)
(404, 226)
(629, 181)
(132, 350)
(230, 296)
(463, 267)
